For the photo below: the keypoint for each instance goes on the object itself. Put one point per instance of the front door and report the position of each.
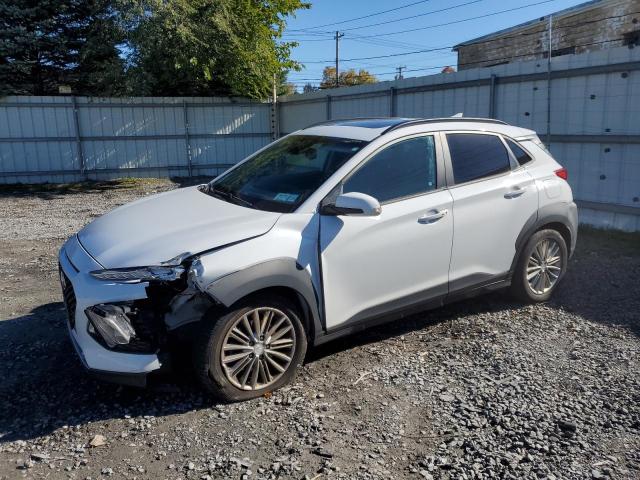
(374, 265)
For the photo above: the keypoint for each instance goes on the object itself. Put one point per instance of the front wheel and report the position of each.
(540, 267)
(253, 349)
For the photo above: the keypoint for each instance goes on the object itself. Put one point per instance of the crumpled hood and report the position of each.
(160, 227)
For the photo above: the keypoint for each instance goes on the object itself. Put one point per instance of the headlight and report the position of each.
(140, 274)
(112, 323)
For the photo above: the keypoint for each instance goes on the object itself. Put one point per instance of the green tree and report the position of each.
(48, 43)
(284, 86)
(347, 78)
(205, 47)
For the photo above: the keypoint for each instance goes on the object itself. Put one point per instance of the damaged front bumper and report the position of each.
(82, 291)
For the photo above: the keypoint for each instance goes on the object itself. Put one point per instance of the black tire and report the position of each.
(520, 286)
(209, 340)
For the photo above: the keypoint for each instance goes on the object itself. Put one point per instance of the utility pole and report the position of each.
(399, 70)
(275, 127)
(550, 33)
(337, 39)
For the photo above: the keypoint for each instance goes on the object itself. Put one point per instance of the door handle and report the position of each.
(515, 193)
(433, 217)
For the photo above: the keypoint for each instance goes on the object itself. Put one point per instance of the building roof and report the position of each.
(582, 7)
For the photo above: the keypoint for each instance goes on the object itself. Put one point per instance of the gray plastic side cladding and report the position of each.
(279, 272)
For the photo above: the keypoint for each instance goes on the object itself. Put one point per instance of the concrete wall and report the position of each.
(601, 26)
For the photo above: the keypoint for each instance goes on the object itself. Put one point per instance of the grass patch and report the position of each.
(592, 238)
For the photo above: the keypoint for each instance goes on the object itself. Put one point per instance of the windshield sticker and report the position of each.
(286, 197)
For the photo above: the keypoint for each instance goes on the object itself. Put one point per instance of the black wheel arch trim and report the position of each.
(277, 273)
(563, 213)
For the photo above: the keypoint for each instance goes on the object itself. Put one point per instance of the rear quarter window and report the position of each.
(518, 152)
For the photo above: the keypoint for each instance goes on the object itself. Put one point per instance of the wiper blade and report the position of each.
(232, 197)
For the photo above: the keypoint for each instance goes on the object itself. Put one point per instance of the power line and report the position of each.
(384, 56)
(456, 21)
(364, 16)
(389, 21)
(413, 16)
(430, 26)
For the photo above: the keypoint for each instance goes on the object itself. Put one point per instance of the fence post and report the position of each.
(328, 107)
(76, 123)
(187, 140)
(392, 102)
(492, 97)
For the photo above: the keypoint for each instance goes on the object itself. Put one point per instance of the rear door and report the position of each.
(372, 266)
(493, 198)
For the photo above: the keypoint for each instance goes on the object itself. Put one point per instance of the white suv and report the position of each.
(325, 232)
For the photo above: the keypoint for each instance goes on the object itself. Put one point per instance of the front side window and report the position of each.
(403, 169)
(281, 177)
(476, 156)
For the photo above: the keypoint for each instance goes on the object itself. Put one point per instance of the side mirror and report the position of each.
(353, 204)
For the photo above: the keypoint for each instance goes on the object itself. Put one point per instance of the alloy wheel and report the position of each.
(544, 266)
(258, 348)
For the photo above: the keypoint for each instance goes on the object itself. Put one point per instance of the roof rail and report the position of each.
(421, 121)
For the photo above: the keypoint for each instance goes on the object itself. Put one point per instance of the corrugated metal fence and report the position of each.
(62, 139)
(592, 125)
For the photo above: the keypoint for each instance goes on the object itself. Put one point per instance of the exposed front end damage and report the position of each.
(187, 307)
(123, 330)
(147, 325)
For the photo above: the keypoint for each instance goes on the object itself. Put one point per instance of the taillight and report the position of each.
(562, 173)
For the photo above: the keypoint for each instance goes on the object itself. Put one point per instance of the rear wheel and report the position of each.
(254, 349)
(540, 267)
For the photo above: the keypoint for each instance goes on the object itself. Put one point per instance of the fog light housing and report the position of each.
(111, 324)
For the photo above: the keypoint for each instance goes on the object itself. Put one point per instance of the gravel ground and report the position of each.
(480, 389)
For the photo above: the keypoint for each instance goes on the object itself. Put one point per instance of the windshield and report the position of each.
(282, 176)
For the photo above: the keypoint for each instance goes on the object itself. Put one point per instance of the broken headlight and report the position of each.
(111, 323)
(140, 274)
(130, 327)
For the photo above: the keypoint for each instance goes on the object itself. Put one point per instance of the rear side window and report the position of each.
(475, 156)
(522, 156)
(403, 169)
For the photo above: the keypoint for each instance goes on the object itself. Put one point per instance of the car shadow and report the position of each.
(45, 387)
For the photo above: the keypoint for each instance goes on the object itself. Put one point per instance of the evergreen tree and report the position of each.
(48, 43)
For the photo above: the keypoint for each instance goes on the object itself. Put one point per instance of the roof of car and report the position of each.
(370, 128)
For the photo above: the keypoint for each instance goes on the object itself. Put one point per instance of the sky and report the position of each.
(314, 30)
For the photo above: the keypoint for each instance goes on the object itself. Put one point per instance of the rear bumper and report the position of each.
(118, 367)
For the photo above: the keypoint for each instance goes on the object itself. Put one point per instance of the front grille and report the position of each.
(69, 298)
